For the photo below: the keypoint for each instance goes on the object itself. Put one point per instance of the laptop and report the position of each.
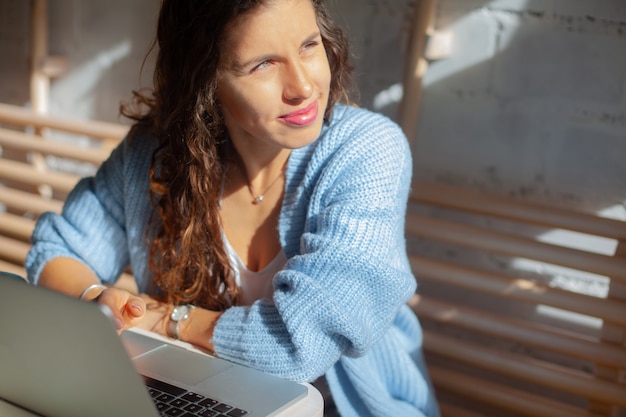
(61, 357)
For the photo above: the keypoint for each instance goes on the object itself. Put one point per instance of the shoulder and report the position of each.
(129, 163)
(357, 149)
(363, 129)
(140, 139)
(138, 144)
(357, 119)
(362, 136)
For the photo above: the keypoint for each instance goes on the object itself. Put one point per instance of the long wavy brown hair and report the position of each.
(188, 261)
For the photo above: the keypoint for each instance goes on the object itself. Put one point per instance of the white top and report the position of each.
(253, 285)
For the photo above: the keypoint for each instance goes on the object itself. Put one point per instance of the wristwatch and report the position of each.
(179, 314)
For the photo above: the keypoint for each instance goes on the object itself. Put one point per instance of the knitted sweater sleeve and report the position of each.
(90, 228)
(349, 275)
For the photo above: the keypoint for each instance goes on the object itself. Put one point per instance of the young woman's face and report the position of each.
(274, 77)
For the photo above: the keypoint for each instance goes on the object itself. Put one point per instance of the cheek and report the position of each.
(323, 74)
(231, 107)
(325, 87)
(233, 100)
(246, 104)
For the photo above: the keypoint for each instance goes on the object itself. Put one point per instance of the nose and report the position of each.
(298, 83)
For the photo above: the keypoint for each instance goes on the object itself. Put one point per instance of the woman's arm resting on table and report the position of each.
(198, 329)
(73, 278)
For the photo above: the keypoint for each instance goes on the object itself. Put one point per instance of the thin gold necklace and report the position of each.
(258, 199)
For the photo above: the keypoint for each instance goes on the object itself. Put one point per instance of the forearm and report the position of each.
(198, 329)
(68, 276)
(74, 278)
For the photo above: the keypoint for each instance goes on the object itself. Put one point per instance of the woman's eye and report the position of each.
(263, 65)
(310, 45)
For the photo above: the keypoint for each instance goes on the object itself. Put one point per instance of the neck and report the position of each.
(262, 168)
(261, 173)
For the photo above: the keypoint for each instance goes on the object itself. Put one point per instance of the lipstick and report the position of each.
(302, 117)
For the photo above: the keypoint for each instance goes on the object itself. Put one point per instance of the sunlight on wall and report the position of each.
(78, 85)
(569, 317)
(574, 280)
(574, 240)
(468, 42)
(387, 97)
(474, 43)
(617, 212)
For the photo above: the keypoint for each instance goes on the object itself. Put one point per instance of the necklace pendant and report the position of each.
(259, 199)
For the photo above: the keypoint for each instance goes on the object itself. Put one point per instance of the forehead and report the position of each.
(271, 25)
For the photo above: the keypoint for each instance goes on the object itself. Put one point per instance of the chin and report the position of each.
(309, 135)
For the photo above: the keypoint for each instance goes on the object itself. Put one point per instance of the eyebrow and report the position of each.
(239, 66)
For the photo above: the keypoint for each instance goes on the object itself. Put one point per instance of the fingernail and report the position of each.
(118, 323)
(137, 308)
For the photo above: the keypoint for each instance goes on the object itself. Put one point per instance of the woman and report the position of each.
(262, 221)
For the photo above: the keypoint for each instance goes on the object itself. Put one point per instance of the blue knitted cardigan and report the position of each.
(339, 305)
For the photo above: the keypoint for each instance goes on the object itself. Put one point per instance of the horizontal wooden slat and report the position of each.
(32, 143)
(523, 368)
(512, 245)
(505, 398)
(15, 230)
(12, 267)
(23, 117)
(27, 174)
(516, 209)
(13, 250)
(28, 202)
(16, 226)
(448, 410)
(449, 229)
(517, 289)
(499, 327)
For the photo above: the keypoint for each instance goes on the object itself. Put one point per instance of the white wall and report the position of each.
(531, 102)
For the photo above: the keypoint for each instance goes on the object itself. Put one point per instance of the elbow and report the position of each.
(315, 359)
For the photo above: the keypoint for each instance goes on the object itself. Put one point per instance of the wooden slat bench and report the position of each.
(501, 337)
(28, 185)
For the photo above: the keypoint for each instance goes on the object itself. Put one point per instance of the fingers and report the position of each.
(136, 307)
(126, 308)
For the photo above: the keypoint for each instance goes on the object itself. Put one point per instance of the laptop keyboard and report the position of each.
(172, 401)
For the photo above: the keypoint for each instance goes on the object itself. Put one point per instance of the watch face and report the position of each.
(179, 313)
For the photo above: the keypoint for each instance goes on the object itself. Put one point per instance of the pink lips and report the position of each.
(302, 117)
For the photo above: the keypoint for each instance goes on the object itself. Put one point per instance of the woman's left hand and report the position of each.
(155, 317)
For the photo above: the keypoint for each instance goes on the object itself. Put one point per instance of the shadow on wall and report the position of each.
(104, 43)
(530, 103)
(15, 50)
